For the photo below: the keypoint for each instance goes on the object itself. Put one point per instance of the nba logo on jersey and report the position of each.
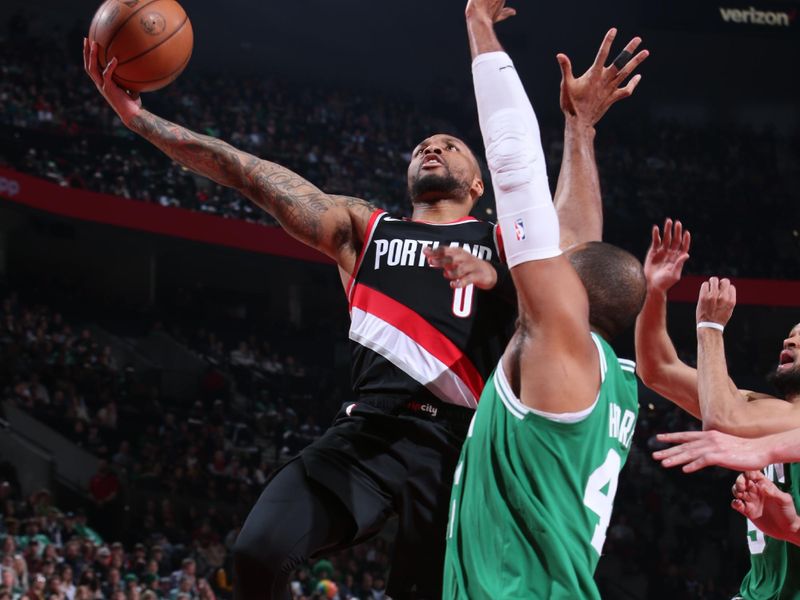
(519, 229)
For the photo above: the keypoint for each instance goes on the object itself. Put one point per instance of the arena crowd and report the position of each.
(176, 476)
(358, 143)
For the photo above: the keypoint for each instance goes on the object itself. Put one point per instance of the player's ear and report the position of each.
(476, 189)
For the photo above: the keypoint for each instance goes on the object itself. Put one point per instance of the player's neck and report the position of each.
(443, 210)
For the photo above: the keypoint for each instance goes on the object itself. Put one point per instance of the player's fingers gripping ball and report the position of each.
(152, 41)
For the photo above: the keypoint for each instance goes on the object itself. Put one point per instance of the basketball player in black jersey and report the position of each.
(421, 349)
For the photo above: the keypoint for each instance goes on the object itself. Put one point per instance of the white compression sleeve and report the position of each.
(525, 210)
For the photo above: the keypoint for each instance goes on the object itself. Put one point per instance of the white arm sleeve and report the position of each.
(525, 210)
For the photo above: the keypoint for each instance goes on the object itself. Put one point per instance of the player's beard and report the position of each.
(786, 382)
(437, 187)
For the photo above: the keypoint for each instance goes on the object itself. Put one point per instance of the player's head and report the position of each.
(786, 376)
(443, 167)
(615, 283)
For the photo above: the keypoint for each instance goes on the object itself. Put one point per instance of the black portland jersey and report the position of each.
(412, 334)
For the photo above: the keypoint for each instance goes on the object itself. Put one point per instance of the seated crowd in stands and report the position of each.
(50, 554)
(176, 477)
(156, 460)
(358, 143)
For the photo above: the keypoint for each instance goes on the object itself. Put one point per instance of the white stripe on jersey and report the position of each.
(603, 363)
(402, 351)
(513, 405)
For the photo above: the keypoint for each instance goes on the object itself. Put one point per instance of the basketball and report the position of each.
(151, 39)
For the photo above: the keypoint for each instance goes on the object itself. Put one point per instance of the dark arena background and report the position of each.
(164, 345)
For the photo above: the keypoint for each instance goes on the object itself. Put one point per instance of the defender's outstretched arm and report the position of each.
(584, 101)
(555, 315)
(657, 361)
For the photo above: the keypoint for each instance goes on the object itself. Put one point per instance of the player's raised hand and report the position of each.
(494, 10)
(697, 450)
(770, 509)
(125, 105)
(588, 97)
(462, 268)
(716, 301)
(666, 256)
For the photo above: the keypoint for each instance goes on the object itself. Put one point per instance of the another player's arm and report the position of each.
(584, 101)
(553, 334)
(697, 450)
(558, 361)
(332, 224)
(657, 361)
(725, 408)
(658, 364)
(578, 198)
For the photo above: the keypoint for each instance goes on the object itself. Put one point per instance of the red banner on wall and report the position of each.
(761, 292)
(153, 218)
(234, 233)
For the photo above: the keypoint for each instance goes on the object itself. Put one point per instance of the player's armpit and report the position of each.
(360, 212)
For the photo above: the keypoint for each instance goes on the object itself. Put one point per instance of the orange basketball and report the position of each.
(151, 39)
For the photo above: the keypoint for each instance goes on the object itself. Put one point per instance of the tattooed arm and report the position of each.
(333, 225)
(320, 220)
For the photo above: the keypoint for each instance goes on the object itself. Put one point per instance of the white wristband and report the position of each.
(710, 325)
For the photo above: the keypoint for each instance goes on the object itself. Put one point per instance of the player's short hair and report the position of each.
(615, 283)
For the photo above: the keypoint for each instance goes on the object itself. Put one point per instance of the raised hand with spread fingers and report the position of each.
(588, 97)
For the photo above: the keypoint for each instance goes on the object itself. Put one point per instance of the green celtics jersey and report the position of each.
(533, 492)
(774, 564)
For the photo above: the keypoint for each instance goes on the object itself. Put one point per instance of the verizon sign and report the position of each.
(753, 16)
(762, 18)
